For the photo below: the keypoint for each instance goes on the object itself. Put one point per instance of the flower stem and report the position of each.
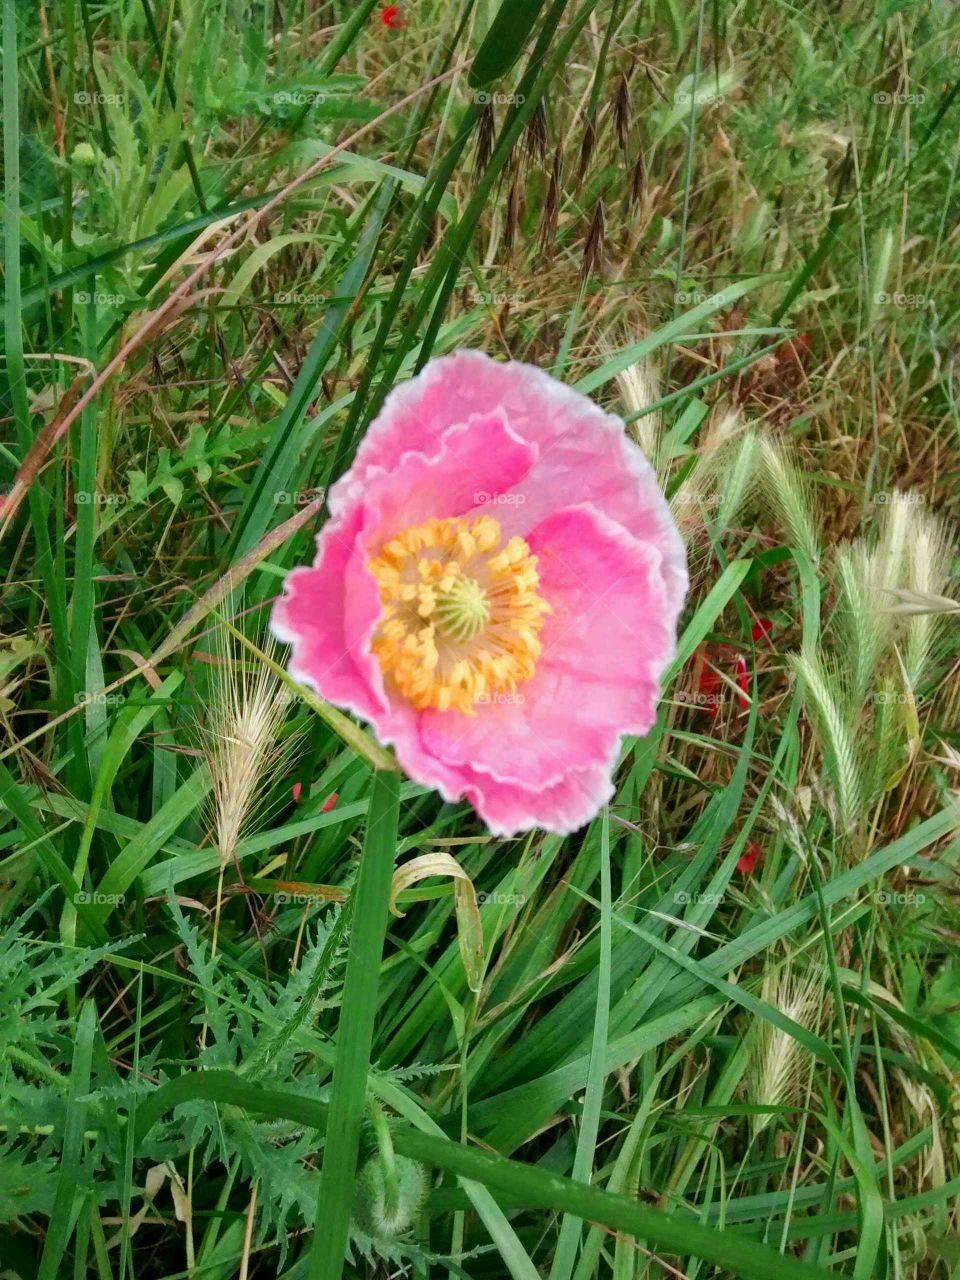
(367, 930)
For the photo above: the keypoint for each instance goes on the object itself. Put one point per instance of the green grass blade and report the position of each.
(565, 1257)
(69, 1181)
(503, 43)
(369, 909)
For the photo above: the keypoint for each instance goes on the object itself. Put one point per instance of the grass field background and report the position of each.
(714, 1033)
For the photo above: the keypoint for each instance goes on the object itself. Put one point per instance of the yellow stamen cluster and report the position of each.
(461, 613)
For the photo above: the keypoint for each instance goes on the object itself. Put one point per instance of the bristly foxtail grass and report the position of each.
(928, 562)
(862, 629)
(736, 476)
(706, 481)
(895, 737)
(241, 739)
(793, 818)
(726, 463)
(779, 1063)
(826, 700)
(789, 494)
(910, 555)
(639, 385)
(897, 525)
(721, 479)
(884, 657)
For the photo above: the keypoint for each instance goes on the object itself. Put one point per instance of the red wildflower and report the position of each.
(748, 859)
(390, 17)
(708, 684)
(330, 801)
(742, 682)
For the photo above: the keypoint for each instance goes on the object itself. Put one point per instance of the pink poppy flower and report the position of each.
(496, 592)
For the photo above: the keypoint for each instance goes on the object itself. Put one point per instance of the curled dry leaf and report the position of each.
(469, 927)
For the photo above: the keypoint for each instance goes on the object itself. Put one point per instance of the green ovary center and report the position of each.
(462, 610)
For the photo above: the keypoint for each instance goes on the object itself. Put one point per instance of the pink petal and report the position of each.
(329, 612)
(584, 453)
(605, 646)
(562, 808)
(472, 459)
